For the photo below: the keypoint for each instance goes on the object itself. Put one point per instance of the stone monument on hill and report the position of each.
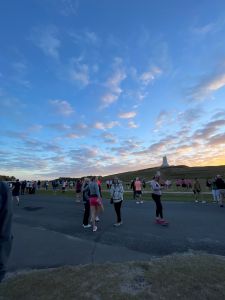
(165, 162)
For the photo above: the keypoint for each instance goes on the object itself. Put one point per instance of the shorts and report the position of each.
(138, 192)
(94, 201)
(196, 191)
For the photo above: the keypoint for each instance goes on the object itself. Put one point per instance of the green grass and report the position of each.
(195, 277)
(128, 195)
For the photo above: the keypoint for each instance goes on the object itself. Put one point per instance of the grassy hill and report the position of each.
(173, 172)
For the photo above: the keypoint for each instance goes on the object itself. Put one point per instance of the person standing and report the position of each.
(95, 201)
(156, 196)
(197, 190)
(220, 183)
(16, 191)
(215, 191)
(78, 190)
(138, 190)
(5, 227)
(116, 192)
(86, 194)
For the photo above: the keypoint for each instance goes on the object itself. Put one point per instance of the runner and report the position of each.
(78, 190)
(16, 191)
(95, 201)
(156, 196)
(138, 192)
(86, 194)
(197, 190)
(117, 199)
(221, 187)
(215, 191)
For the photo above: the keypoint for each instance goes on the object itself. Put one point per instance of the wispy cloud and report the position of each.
(86, 37)
(109, 138)
(79, 73)
(20, 71)
(62, 107)
(132, 124)
(149, 76)
(104, 126)
(113, 85)
(207, 87)
(47, 40)
(127, 115)
(69, 7)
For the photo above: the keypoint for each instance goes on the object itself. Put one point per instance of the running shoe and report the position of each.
(86, 226)
(137, 202)
(118, 224)
(95, 228)
(221, 205)
(97, 219)
(141, 202)
(196, 201)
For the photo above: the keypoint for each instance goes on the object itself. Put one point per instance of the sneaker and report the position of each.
(196, 201)
(141, 202)
(118, 224)
(203, 201)
(97, 219)
(164, 223)
(221, 205)
(95, 228)
(137, 202)
(86, 226)
(157, 221)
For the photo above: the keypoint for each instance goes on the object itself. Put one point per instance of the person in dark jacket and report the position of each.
(16, 190)
(220, 184)
(5, 227)
(86, 194)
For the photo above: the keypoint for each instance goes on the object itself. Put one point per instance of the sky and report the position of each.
(97, 87)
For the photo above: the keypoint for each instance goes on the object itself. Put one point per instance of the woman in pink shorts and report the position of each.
(95, 201)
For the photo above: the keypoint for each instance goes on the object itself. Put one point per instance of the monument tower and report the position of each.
(165, 162)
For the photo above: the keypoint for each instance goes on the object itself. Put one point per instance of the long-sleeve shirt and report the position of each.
(94, 189)
(156, 188)
(116, 192)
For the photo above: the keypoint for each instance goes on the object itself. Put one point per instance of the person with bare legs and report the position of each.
(95, 201)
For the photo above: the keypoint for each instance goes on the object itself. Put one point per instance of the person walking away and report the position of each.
(16, 191)
(220, 183)
(132, 187)
(95, 201)
(138, 192)
(197, 190)
(116, 192)
(85, 194)
(5, 227)
(23, 186)
(78, 190)
(156, 196)
(215, 191)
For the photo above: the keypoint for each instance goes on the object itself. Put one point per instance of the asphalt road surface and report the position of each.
(48, 233)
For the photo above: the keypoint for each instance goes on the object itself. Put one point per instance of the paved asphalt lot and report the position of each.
(48, 233)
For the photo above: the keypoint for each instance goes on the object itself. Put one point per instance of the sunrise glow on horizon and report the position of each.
(104, 87)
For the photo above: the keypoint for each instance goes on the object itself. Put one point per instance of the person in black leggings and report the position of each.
(116, 192)
(156, 196)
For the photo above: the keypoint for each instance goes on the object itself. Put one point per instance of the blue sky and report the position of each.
(98, 87)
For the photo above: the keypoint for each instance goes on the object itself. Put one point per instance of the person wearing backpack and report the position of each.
(116, 192)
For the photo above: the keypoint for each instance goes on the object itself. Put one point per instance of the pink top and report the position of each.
(137, 185)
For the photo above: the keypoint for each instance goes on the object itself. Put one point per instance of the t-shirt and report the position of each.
(137, 185)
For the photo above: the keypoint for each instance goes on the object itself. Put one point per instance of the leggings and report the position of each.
(86, 213)
(117, 207)
(159, 208)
